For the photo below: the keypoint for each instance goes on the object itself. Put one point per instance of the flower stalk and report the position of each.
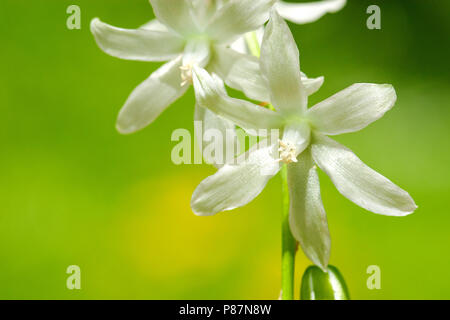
(288, 242)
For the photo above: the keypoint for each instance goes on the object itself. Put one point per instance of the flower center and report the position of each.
(287, 152)
(186, 74)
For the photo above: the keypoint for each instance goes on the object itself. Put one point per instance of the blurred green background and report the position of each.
(74, 191)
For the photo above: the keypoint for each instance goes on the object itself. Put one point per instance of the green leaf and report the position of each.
(320, 285)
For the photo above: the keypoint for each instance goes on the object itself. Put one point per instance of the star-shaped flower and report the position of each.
(186, 33)
(303, 147)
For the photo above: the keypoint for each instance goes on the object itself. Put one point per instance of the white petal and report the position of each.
(301, 13)
(207, 120)
(281, 67)
(204, 10)
(198, 52)
(240, 45)
(139, 44)
(260, 35)
(240, 72)
(311, 85)
(352, 108)
(151, 98)
(210, 94)
(359, 183)
(307, 217)
(237, 17)
(176, 14)
(234, 186)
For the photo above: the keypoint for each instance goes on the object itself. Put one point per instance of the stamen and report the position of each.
(287, 152)
(186, 74)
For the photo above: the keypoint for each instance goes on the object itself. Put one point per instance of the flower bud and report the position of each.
(320, 285)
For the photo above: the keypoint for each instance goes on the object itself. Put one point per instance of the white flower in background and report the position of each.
(306, 12)
(299, 13)
(186, 33)
(304, 145)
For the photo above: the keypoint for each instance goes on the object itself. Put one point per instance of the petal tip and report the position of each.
(321, 262)
(324, 267)
(390, 90)
(195, 204)
(195, 211)
(320, 81)
(404, 211)
(125, 130)
(95, 24)
(413, 208)
(410, 207)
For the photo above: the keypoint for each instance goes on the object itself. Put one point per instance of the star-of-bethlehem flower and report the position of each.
(185, 33)
(304, 145)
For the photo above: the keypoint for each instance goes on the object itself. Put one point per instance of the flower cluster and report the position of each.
(204, 44)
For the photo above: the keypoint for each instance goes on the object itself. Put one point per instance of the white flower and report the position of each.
(304, 145)
(186, 33)
(299, 13)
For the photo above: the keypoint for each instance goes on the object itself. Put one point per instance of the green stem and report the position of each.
(288, 243)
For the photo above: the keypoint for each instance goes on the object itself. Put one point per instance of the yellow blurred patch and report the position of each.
(164, 239)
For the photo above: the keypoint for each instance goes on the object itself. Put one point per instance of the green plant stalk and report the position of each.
(288, 242)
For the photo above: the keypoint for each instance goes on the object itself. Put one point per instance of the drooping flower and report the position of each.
(303, 147)
(186, 33)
